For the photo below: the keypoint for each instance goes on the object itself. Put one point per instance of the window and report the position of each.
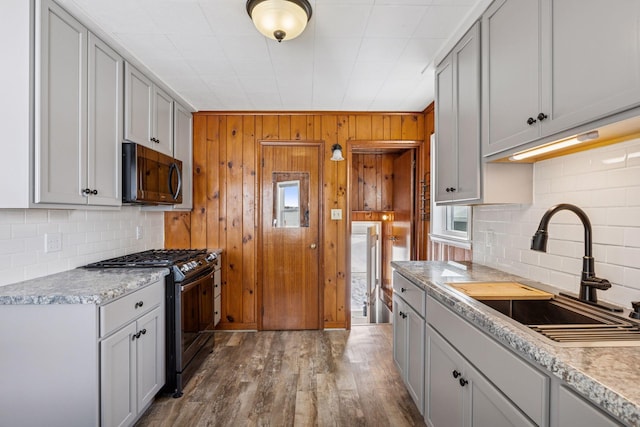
(452, 225)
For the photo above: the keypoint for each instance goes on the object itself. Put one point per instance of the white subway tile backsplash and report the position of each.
(87, 236)
(605, 183)
(5, 231)
(632, 237)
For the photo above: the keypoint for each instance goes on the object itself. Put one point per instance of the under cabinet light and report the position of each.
(589, 136)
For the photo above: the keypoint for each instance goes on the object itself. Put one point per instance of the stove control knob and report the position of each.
(211, 257)
(184, 268)
(193, 264)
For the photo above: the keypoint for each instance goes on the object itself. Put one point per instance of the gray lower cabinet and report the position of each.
(408, 336)
(132, 361)
(68, 365)
(483, 359)
(573, 410)
(458, 395)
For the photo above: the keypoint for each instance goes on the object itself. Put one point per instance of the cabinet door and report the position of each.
(489, 407)
(183, 150)
(591, 64)
(138, 92)
(399, 335)
(162, 121)
(466, 66)
(446, 150)
(150, 355)
(445, 397)
(510, 74)
(118, 376)
(414, 377)
(104, 158)
(61, 107)
(573, 410)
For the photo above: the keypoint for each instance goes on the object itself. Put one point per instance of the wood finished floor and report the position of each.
(293, 378)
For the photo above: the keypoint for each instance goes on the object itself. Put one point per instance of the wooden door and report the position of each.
(402, 228)
(290, 230)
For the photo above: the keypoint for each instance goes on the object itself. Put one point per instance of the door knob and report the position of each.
(313, 246)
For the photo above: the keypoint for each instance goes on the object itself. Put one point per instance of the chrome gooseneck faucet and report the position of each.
(589, 283)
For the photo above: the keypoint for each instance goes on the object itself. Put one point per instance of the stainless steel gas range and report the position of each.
(192, 305)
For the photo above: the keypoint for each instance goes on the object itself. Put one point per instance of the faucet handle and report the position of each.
(596, 282)
(635, 314)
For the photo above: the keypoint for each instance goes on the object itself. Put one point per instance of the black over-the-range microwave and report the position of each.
(150, 177)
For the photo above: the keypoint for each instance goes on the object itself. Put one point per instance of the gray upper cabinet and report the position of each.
(61, 106)
(163, 121)
(458, 121)
(591, 65)
(183, 150)
(104, 158)
(77, 113)
(546, 72)
(148, 112)
(510, 74)
(461, 177)
(138, 105)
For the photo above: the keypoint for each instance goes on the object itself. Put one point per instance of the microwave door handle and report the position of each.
(174, 168)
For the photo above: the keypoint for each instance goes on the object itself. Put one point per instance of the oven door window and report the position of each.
(196, 314)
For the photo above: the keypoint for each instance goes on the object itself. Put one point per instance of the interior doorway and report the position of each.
(382, 187)
(366, 271)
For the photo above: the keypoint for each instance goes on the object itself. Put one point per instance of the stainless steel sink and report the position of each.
(569, 322)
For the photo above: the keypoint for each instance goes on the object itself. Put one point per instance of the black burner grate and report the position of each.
(150, 258)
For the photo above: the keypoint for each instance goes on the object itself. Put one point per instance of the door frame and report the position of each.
(380, 146)
(259, 206)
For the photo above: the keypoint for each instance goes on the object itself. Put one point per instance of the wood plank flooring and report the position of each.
(293, 378)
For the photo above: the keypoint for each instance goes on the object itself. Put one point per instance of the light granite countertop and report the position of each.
(80, 286)
(607, 376)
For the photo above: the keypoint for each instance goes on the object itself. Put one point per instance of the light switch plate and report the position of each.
(139, 232)
(336, 214)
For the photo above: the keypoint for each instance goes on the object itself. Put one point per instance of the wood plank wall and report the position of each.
(371, 182)
(226, 197)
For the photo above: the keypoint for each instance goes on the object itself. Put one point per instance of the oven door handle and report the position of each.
(195, 283)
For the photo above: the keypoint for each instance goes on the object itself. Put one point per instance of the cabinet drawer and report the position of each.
(130, 307)
(522, 383)
(413, 294)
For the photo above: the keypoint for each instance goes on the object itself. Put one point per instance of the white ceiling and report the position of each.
(355, 55)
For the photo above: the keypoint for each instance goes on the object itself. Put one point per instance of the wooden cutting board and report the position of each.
(500, 291)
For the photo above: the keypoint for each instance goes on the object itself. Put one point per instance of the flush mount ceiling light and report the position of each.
(336, 150)
(279, 19)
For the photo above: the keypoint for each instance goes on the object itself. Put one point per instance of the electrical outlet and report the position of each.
(139, 233)
(491, 239)
(336, 214)
(52, 242)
